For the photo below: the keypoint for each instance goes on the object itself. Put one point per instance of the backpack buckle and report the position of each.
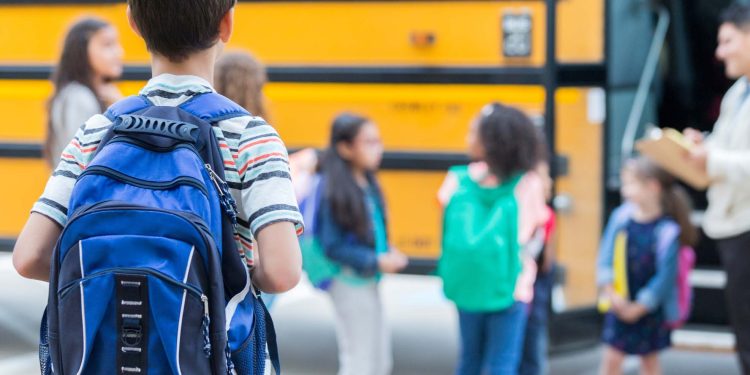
(132, 332)
(131, 337)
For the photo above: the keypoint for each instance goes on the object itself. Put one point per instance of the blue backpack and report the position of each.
(146, 277)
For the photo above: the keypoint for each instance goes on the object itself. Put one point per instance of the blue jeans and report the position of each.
(536, 342)
(491, 341)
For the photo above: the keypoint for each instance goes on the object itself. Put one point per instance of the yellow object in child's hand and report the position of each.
(620, 269)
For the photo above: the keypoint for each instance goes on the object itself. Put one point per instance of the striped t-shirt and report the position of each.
(256, 164)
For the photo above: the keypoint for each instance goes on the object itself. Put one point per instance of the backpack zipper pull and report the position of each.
(215, 178)
(230, 363)
(205, 327)
(225, 197)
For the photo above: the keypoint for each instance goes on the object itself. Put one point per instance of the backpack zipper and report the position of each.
(228, 204)
(149, 147)
(130, 270)
(153, 185)
(120, 205)
(205, 323)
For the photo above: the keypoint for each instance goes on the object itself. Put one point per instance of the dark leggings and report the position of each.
(735, 256)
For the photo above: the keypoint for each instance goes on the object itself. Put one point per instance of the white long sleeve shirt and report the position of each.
(728, 213)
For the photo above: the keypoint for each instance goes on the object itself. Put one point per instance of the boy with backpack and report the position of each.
(145, 227)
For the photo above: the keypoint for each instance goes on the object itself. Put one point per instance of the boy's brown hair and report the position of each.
(177, 28)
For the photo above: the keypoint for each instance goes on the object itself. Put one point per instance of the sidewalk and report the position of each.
(21, 305)
(423, 324)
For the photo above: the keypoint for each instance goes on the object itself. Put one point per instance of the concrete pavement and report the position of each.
(423, 323)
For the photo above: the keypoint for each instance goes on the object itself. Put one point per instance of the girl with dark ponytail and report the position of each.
(351, 228)
(637, 270)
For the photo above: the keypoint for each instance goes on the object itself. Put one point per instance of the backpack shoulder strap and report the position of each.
(462, 174)
(128, 105)
(667, 232)
(622, 215)
(513, 182)
(311, 203)
(213, 107)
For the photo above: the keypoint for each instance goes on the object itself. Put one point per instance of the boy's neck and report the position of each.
(199, 64)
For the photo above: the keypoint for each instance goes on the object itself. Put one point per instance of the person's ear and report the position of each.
(226, 27)
(132, 23)
(345, 150)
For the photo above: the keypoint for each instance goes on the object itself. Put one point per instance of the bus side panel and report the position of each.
(415, 118)
(48, 24)
(23, 103)
(23, 183)
(414, 214)
(580, 31)
(313, 33)
(578, 137)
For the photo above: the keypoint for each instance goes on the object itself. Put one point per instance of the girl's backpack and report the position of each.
(681, 303)
(481, 255)
(319, 269)
(685, 266)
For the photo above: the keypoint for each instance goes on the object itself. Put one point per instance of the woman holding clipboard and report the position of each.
(725, 156)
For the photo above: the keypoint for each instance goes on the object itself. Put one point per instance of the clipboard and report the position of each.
(668, 149)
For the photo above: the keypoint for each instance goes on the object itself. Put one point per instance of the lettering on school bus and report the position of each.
(426, 107)
(414, 243)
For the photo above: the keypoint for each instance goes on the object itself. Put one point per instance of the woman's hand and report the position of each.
(693, 136)
(698, 157)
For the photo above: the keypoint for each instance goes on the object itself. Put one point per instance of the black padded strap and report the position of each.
(132, 324)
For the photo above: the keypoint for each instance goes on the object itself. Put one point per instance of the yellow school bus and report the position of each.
(420, 69)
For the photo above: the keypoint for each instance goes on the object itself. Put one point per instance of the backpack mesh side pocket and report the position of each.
(45, 360)
(250, 358)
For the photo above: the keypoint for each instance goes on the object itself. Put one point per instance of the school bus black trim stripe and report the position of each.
(570, 75)
(399, 160)
(421, 266)
(418, 161)
(21, 150)
(6, 244)
(422, 161)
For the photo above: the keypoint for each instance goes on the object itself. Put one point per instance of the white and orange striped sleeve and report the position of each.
(75, 157)
(263, 166)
